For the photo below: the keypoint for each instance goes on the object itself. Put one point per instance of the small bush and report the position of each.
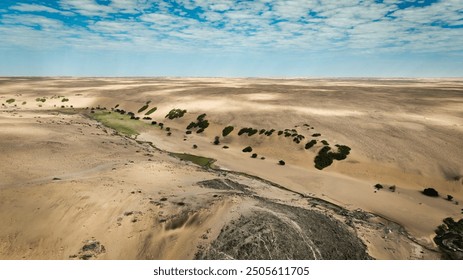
(310, 144)
(216, 140)
(227, 130)
(316, 135)
(195, 146)
(154, 122)
(43, 99)
(143, 108)
(248, 149)
(64, 100)
(378, 186)
(201, 130)
(281, 162)
(150, 111)
(430, 192)
(188, 132)
(161, 125)
(280, 132)
(24, 103)
(261, 131)
(11, 100)
(201, 117)
(324, 142)
(167, 128)
(117, 105)
(254, 155)
(449, 197)
(175, 114)
(392, 188)
(225, 147)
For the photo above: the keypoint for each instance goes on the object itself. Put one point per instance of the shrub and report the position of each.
(316, 135)
(150, 111)
(154, 122)
(11, 100)
(280, 132)
(324, 142)
(449, 197)
(203, 124)
(248, 149)
(24, 103)
(64, 100)
(43, 99)
(252, 132)
(430, 192)
(201, 117)
(117, 105)
(143, 108)
(169, 133)
(378, 186)
(254, 155)
(261, 131)
(147, 118)
(167, 128)
(201, 130)
(392, 188)
(188, 132)
(175, 113)
(225, 147)
(323, 159)
(216, 140)
(227, 130)
(161, 125)
(281, 162)
(195, 146)
(310, 144)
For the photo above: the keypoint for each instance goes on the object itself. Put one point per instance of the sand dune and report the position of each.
(74, 188)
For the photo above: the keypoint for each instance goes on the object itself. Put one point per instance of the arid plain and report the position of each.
(104, 168)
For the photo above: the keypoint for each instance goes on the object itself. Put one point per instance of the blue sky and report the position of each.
(237, 38)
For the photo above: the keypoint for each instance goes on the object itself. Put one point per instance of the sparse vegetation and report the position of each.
(120, 123)
(201, 161)
(227, 130)
(430, 192)
(175, 114)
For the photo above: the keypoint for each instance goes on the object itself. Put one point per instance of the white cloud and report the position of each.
(38, 8)
(227, 25)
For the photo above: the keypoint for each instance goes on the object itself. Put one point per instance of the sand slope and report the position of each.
(72, 188)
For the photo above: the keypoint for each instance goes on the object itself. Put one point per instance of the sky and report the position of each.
(232, 38)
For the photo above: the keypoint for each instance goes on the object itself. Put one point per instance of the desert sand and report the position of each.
(79, 180)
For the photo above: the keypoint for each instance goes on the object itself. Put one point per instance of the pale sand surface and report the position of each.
(402, 132)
